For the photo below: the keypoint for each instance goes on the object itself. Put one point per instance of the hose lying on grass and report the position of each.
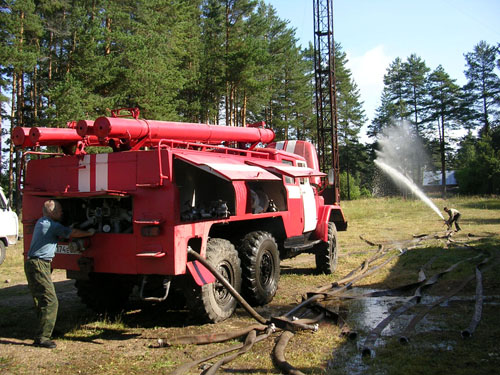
(287, 324)
(369, 344)
(404, 337)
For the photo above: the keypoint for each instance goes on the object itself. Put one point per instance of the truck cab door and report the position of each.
(309, 203)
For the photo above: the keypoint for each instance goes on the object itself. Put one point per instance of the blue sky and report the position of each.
(374, 32)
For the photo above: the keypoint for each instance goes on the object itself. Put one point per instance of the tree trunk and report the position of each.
(1, 120)
(12, 124)
(244, 110)
(286, 105)
(232, 110)
(108, 42)
(226, 73)
(20, 122)
(51, 44)
(443, 156)
(486, 127)
(71, 53)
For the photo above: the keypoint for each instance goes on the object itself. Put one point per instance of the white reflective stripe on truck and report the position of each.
(93, 173)
(101, 172)
(84, 174)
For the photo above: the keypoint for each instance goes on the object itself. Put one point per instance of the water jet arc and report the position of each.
(399, 177)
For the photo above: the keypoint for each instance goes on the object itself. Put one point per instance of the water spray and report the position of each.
(399, 177)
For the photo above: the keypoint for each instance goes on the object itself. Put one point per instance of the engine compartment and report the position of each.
(104, 214)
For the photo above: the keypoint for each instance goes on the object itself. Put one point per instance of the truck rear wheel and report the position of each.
(213, 302)
(327, 252)
(261, 267)
(104, 293)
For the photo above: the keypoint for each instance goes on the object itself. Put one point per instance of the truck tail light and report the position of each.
(151, 231)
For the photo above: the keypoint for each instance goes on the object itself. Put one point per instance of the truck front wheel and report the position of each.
(326, 252)
(213, 302)
(261, 267)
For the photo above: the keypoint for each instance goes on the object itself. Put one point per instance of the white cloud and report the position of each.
(368, 72)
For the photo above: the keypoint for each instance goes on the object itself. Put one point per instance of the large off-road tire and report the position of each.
(3, 252)
(327, 252)
(260, 266)
(105, 293)
(212, 302)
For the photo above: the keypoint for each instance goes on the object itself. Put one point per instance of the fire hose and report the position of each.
(210, 338)
(249, 342)
(369, 344)
(334, 290)
(279, 355)
(417, 318)
(478, 309)
(184, 368)
(229, 287)
(284, 323)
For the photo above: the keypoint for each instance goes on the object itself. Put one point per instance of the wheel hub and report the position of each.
(266, 268)
(220, 292)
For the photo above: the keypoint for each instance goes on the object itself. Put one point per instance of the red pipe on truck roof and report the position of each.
(85, 127)
(53, 136)
(20, 137)
(117, 127)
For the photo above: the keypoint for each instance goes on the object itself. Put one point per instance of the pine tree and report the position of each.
(483, 85)
(287, 92)
(415, 90)
(236, 17)
(384, 115)
(479, 161)
(351, 117)
(21, 32)
(212, 61)
(395, 81)
(443, 107)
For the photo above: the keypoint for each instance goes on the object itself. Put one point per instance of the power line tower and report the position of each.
(326, 101)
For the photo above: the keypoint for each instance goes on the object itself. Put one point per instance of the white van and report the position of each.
(9, 226)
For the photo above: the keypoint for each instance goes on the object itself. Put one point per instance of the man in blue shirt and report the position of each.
(46, 234)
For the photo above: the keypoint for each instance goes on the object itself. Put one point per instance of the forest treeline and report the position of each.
(458, 125)
(227, 62)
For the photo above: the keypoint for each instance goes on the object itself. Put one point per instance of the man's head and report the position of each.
(446, 209)
(52, 209)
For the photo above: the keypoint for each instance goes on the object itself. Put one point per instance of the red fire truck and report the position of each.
(157, 189)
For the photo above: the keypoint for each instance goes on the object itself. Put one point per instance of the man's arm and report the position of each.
(78, 233)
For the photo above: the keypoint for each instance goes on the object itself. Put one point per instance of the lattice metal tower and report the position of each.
(326, 102)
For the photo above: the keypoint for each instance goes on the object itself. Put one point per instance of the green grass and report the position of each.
(90, 344)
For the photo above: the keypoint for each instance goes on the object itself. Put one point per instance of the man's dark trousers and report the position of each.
(44, 295)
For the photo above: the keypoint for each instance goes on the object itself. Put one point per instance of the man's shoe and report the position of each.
(45, 344)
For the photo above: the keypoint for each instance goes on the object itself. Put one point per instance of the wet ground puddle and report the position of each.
(365, 313)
